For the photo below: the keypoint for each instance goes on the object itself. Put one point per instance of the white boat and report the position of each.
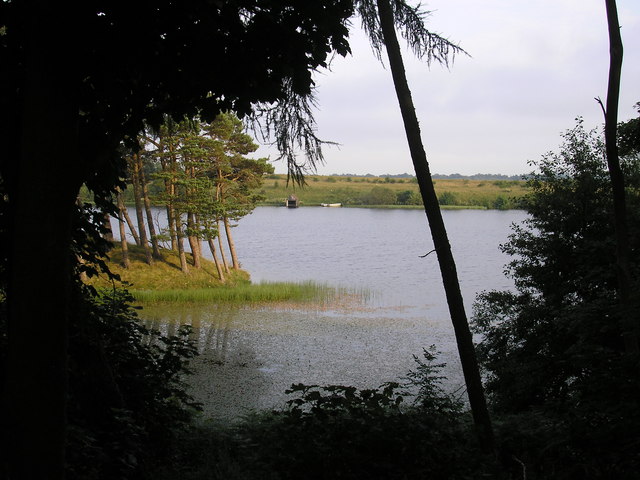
(330, 204)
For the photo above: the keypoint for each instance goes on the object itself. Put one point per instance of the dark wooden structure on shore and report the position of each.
(292, 202)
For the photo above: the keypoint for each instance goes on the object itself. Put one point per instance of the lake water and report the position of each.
(249, 356)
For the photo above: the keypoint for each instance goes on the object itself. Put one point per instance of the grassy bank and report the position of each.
(164, 282)
(376, 191)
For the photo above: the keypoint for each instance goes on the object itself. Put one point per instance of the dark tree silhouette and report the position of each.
(435, 47)
(79, 79)
(623, 269)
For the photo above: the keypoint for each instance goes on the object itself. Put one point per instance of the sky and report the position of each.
(533, 67)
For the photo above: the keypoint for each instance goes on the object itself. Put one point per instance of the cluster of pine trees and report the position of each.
(207, 183)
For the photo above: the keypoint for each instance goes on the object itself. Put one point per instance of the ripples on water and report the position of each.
(251, 355)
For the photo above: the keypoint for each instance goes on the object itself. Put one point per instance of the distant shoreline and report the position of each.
(400, 191)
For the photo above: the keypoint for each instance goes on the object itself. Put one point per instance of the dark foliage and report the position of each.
(336, 431)
(127, 400)
(553, 349)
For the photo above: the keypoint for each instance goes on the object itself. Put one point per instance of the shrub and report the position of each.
(554, 347)
(408, 197)
(447, 198)
(127, 397)
(379, 196)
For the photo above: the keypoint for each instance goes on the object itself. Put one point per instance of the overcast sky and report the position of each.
(534, 67)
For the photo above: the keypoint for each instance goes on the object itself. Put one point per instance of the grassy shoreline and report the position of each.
(164, 282)
(385, 192)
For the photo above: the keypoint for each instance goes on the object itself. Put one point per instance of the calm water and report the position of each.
(250, 356)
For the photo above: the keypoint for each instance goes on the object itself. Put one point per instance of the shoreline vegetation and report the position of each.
(164, 282)
(394, 191)
(486, 192)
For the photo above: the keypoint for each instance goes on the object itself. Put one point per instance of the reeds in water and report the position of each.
(266, 292)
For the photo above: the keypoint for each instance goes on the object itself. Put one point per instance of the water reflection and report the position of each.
(250, 356)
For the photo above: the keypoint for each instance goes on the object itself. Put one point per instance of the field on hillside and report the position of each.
(393, 191)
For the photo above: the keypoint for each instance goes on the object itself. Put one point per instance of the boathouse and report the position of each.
(292, 202)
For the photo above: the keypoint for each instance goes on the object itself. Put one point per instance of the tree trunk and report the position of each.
(212, 247)
(147, 206)
(232, 246)
(126, 263)
(623, 269)
(193, 240)
(198, 242)
(180, 243)
(40, 272)
(132, 228)
(172, 227)
(225, 265)
(438, 231)
(135, 180)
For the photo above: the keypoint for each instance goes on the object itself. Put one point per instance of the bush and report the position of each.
(554, 348)
(447, 198)
(337, 431)
(127, 397)
(408, 197)
(379, 196)
(343, 432)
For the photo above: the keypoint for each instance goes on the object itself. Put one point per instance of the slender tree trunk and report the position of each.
(147, 206)
(170, 186)
(169, 189)
(132, 228)
(232, 246)
(225, 265)
(198, 239)
(40, 274)
(126, 263)
(193, 240)
(214, 254)
(135, 180)
(172, 227)
(438, 231)
(180, 243)
(623, 269)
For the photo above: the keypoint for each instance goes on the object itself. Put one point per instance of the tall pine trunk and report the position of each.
(232, 246)
(464, 339)
(147, 207)
(132, 227)
(126, 263)
(193, 240)
(623, 269)
(225, 265)
(180, 243)
(214, 254)
(137, 193)
(172, 227)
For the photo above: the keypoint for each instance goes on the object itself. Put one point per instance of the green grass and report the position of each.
(246, 293)
(165, 273)
(164, 282)
(349, 190)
